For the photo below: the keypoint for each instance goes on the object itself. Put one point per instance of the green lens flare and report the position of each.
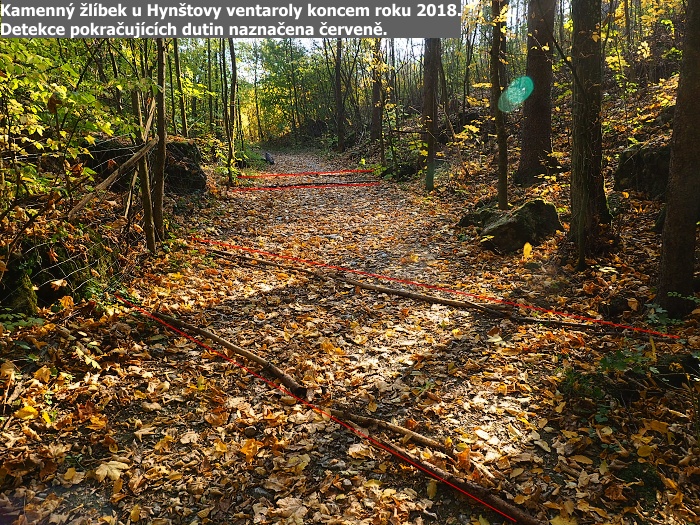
(515, 94)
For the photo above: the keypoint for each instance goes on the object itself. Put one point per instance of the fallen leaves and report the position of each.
(111, 470)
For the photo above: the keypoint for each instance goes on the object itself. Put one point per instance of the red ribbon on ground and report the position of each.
(310, 405)
(302, 174)
(304, 187)
(310, 262)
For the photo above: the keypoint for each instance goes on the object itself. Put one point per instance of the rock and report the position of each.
(478, 217)
(17, 292)
(533, 222)
(644, 168)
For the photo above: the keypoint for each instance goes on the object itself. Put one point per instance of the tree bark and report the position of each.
(431, 78)
(210, 97)
(377, 109)
(159, 164)
(497, 78)
(339, 100)
(536, 146)
(232, 105)
(683, 196)
(178, 74)
(588, 206)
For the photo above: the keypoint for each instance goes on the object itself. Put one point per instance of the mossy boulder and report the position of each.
(532, 223)
(644, 168)
(17, 291)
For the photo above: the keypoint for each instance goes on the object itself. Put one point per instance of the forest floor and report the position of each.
(114, 418)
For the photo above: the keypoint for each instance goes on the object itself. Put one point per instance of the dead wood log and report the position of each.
(479, 493)
(368, 421)
(287, 380)
(367, 286)
(496, 311)
(114, 176)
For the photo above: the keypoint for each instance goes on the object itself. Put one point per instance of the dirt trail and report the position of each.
(179, 436)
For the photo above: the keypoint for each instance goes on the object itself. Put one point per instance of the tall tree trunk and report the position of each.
(210, 96)
(172, 95)
(496, 72)
(431, 79)
(683, 201)
(228, 123)
(159, 165)
(588, 205)
(338, 93)
(536, 128)
(296, 114)
(256, 52)
(377, 110)
(232, 105)
(178, 73)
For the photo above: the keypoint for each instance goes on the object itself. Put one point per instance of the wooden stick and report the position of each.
(479, 493)
(367, 421)
(373, 287)
(109, 180)
(497, 311)
(286, 379)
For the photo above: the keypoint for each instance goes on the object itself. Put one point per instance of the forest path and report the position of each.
(147, 424)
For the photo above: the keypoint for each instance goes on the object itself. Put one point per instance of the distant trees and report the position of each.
(683, 195)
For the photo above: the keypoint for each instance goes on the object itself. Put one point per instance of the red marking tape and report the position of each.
(302, 174)
(309, 262)
(305, 187)
(315, 408)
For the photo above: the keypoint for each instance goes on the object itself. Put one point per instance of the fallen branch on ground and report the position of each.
(502, 311)
(286, 379)
(373, 287)
(479, 493)
(368, 421)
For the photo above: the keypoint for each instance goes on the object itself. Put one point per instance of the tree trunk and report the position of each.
(683, 200)
(339, 100)
(377, 110)
(496, 74)
(431, 78)
(172, 94)
(159, 165)
(588, 205)
(232, 104)
(178, 74)
(536, 128)
(210, 97)
(228, 123)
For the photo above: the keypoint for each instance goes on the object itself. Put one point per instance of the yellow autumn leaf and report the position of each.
(432, 488)
(26, 412)
(43, 374)
(111, 470)
(644, 451)
(527, 251)
(658, 426)
(372, 407)
(250, 448)
(582, 459)
(564, 520)
(135, 513)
